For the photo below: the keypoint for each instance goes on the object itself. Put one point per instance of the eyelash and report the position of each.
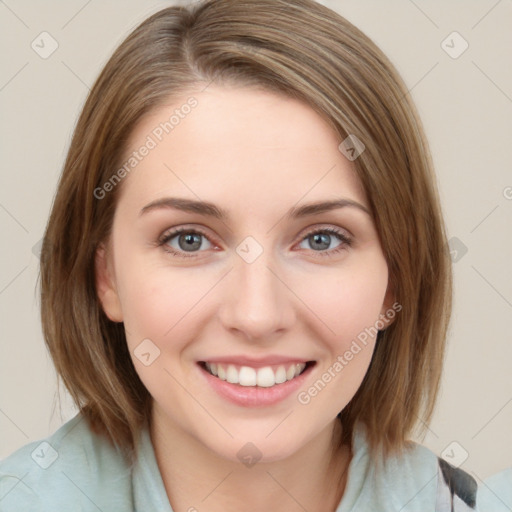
(346, 241)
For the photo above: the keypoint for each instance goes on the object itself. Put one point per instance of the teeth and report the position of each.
(280, 375)
(265, 377)
(247, 377)
(232, 375)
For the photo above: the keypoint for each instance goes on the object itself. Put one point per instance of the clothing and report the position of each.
(77, 470)
(496, 492)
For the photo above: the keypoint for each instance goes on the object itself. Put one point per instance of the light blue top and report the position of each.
(76, 470)
(496, 492)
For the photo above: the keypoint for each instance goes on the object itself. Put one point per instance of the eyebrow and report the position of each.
(211, 210)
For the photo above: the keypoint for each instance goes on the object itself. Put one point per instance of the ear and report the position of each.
(390, 308)
(106, 286)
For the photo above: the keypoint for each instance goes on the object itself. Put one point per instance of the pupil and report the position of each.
(321, 241)
(191, 241)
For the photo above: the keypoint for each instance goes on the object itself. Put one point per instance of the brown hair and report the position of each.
(293, 47)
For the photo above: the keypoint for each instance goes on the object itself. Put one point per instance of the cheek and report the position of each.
(347, 308)
(164, 307)
(348, 299)
(158, 300)
(160, 303)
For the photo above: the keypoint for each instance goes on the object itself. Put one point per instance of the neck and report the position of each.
(313, 478)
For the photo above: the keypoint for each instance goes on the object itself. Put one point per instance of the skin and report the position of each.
(256, 155)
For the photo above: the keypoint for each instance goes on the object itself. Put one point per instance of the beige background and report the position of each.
(466, 106)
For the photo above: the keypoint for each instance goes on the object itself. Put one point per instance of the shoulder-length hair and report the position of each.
(293, 47)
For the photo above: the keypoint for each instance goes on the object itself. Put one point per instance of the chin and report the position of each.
(258, 444)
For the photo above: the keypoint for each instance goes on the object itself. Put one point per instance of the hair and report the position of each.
(302, 50)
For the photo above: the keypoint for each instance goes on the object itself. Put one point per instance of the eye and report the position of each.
(186, 242)
(181, 241)
(320, 239)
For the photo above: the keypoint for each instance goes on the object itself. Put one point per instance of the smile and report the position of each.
(264, 377)
(260, 383)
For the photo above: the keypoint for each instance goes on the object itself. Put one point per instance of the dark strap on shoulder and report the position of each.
(459, 484)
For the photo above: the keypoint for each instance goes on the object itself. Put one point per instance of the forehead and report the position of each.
(244, 146)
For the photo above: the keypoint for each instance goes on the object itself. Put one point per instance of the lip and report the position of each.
(255, 396)
(256, 362)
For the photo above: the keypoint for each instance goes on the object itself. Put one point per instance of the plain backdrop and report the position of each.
(464, 96)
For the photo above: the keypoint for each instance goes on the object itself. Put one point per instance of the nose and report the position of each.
(256, 302)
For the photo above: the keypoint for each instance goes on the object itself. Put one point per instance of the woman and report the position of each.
(244, 282)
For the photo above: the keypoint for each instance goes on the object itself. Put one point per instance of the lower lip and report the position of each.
(255, 396)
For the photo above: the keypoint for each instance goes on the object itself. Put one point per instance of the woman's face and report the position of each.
(258, 285)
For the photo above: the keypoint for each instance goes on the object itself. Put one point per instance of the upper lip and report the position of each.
(256, 362)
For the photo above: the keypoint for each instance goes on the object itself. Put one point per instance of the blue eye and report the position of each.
(187, 242)
(320, 240)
